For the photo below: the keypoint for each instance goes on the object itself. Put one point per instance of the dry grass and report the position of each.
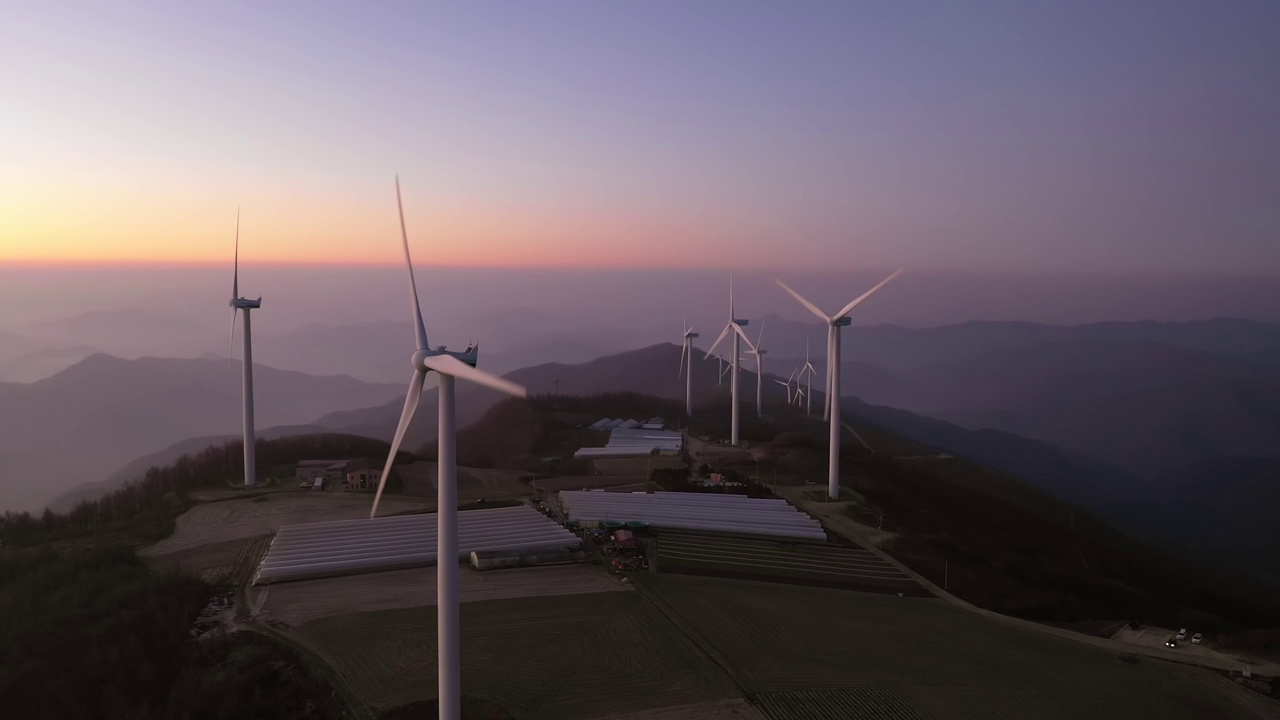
(241, 519)
(473, 483)
(298, 602)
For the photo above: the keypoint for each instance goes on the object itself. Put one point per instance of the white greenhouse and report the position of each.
(347, 547)
(694, 511)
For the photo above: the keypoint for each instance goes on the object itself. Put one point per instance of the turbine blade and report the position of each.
(849, 308)
(684, 350)
(812, 308)
(406, 416)
(723, 334)
(235, 273)
(418, 328)
(231, 349)
(760, 338)
(450, 365)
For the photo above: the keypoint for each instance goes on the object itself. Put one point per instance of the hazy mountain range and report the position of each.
(85, 422)
(1106, 415)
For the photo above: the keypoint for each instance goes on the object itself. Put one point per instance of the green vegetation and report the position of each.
(1015, 550)
(89, 631)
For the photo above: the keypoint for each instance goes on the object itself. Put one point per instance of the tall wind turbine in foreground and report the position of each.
(238, 303)
(734, 326)
(449, 366)
(834, 323)
(686, 366)
(759, 351)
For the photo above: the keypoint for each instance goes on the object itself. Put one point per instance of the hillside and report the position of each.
(85, 422)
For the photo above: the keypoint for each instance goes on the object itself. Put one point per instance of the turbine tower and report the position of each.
(449, 366)
(686, 357)
(759, 351)
(734, 326)
(237, 304)
(834, 323)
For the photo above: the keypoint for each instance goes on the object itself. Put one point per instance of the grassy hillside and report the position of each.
(92, 632)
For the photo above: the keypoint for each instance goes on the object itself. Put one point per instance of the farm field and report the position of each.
(636, 466)
(782, 642)
(473, 483)
(241, 519)
(294, 603)
(564, 657)
(764, 559)
(578, 482)
(734, 709)
(222, 563)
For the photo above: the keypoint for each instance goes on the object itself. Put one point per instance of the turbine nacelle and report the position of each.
(469, 356)
(245, 303)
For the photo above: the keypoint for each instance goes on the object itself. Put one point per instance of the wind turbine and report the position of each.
(807, 371)
(787, 384)
(449, 366)
(759, 351)
(237, 304)
(686, 355)
(734, 327)
(834, 323)
(800, 393)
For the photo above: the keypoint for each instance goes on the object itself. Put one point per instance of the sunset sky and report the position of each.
(1130, 136)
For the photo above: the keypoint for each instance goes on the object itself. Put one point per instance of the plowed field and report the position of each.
(579, 656)
(937, 661)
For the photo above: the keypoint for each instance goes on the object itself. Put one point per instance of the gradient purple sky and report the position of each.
(1015, 137)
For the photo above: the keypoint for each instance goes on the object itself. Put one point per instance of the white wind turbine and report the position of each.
(807, 372)
(759, 351)
(787, 384)
(734, 326)
(834, 323)
(237, 304)
(800, 393)
(449, 366)
(686, 366)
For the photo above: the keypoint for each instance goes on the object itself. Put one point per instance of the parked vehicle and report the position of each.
(1182, 634)
(304, 485)
(1195, 639)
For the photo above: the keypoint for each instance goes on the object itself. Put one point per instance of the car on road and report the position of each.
(1197, 638)
(1182, 634)
(1171, 643)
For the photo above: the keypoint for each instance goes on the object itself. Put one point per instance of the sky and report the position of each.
(1034, 138)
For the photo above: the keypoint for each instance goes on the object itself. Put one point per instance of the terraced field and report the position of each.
(778, 641)
(763, 559)
(579, 656)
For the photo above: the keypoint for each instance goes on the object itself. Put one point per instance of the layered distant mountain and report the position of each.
(1146, 397)
(85, 422)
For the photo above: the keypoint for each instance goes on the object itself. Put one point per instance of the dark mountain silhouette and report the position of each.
(83, 423)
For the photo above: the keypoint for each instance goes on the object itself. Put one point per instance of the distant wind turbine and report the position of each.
(237, 304)
(686, 366)
(807, 371)
(787, 384)
(834, 323)
(448, 365)
(734, 327)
